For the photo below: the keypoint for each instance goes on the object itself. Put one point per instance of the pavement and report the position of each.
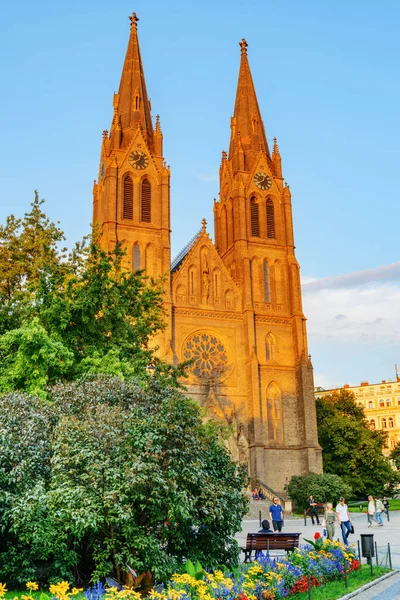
(388, 589)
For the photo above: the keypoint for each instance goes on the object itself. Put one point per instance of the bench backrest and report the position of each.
(272, 541)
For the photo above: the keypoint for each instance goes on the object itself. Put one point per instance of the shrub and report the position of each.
(324, 487)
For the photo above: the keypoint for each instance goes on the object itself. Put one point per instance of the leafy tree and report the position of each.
(395, 455)
(350, 448)
(324, 488)
(63, 315)
(31, 359)
(130, 474)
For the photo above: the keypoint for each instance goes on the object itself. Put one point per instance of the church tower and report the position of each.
(233, 308)
(131, 200)
(254, 237)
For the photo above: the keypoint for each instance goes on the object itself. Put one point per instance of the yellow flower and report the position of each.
(174, 594)
(31, 585)
(75, 591)
(156, 595)
(3, 590)
(23, 597)
(60, 589)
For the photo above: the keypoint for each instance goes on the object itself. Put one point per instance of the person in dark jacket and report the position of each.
(265, 527)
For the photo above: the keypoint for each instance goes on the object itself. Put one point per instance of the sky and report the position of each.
(327, 80)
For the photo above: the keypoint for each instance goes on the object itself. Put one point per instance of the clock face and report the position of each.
(262, 180)
(139, 160)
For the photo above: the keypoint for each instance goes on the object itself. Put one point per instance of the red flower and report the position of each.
(317, 535)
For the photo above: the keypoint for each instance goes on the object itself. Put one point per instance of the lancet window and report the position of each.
(254, 217)
(128, 198)
(146, 201)
(270, 219)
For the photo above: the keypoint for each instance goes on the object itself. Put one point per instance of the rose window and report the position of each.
(208, 355)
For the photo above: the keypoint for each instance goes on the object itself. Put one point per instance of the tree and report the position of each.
(350, 448)
(395, 455)
(91, 315)
(132, 475)
(324, 488)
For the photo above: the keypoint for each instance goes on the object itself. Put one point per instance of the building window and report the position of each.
(267, 293)
(270, 219)
(372, 424)
(136, 257)
(146, 201)
(381, 403)
(388, 402)
(383, 423)
(391, 423)
(270, 347)
(370, 404)
(254, 217)
(128, 198)
(274, 413)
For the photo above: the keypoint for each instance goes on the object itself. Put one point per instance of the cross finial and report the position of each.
(133, 19)
(204, 226)
(105, 134)
(243, 44)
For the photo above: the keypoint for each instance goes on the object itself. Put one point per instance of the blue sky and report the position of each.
(326, 75)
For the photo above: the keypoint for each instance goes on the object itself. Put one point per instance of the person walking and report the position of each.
(386, 505)
(276, 515)
(378, 511)
(371, 511)
(313, 509)
(343, 517)
(329, 521)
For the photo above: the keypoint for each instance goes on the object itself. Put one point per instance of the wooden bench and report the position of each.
(270, 541)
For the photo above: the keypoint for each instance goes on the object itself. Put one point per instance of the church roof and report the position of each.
(247, 124)
(179, 258)
(133, 102)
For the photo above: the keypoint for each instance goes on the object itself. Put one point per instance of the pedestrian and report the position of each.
(329, 521)
(371, 511)
(276, 514)
(261, 494)
(265, 527)
(386, 504)
(378, 511)
(313, 509)
(255, 494)
(343, 517)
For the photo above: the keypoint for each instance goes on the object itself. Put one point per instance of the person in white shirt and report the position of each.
(371, 511)
(343, 518)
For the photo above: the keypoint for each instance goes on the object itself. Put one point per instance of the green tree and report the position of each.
(324, 487)
(90, 314)
(395, 455)
(127, 474)
(350, 448)
(30, 359)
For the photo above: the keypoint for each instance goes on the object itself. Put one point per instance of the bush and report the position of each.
(111, 473)
(324, 488)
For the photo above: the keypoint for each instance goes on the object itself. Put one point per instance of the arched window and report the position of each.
(136, 257)
(267, 290)
(146, 201)
(388, 402)
(391, 422)
(128, 198)
(372, 424)
(254, 218)
(384, 424)
(274, 413)
(381, 403)
(370, 404)
(224, 229)
(270, 347)
(270, 219)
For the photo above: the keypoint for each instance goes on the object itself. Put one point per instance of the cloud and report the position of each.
(358, 278)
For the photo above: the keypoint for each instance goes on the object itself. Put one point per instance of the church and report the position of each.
(233, 305)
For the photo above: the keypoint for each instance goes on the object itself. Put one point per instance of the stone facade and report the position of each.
(234, 307)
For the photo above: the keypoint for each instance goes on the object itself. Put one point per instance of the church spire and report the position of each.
(247, 117)
(133, 103)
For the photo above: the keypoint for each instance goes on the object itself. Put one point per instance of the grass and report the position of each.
(336, 589)
(355, 507)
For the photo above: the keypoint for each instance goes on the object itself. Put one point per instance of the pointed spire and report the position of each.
(247, 117)
(133, 103)
(276, 160)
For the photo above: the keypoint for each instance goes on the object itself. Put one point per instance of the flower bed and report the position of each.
(268, 578)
